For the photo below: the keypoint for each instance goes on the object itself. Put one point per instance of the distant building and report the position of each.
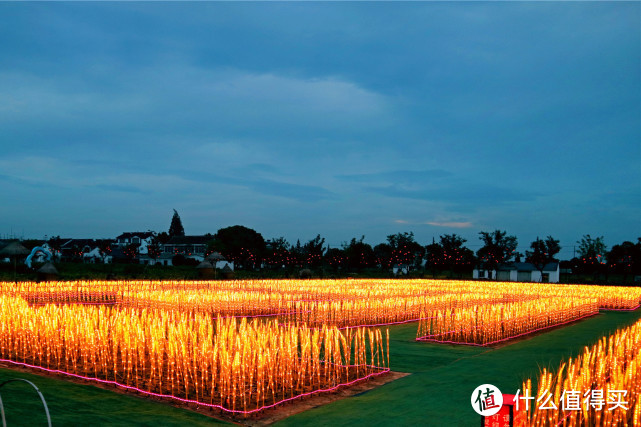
(520, 272)
(141, 238)
(189, 246)
(400, 269)
(88, 250)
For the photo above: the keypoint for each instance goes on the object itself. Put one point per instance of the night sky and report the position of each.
(339, 119)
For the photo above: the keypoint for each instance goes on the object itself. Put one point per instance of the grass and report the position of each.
(437, 393)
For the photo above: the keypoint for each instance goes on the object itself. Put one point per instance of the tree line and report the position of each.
(249, 250)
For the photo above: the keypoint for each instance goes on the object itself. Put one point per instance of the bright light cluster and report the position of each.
(599, 388)
(237, 365)
(317, 302)
(494, 323)
(241, 346)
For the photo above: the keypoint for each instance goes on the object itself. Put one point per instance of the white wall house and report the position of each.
(95, 256)
(142, 238)
(189, 246)
(400, 269)
(479, 273)
(520, 272)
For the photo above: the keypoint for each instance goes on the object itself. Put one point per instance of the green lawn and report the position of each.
(437, 393)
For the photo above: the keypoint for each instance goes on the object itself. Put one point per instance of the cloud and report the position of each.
(120, 188)
(437, 185)
(450, 224)
(304, 193)
(462, 193)
(396, 176)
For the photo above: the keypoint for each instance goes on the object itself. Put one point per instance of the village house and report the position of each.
(520, 272)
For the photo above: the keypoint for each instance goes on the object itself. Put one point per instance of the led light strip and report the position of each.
(209, 405)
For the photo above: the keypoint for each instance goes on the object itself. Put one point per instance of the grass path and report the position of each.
(444, 376)
(436, 394)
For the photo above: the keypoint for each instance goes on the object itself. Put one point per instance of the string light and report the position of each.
(613, 363)
(236, 364)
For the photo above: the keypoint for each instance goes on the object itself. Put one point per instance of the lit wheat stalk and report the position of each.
(223, 370)
(613, 363)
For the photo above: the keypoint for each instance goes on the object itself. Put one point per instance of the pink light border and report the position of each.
(620, 309)
(426, 339)
(209, 405)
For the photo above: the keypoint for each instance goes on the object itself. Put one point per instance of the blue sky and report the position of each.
(343, 119)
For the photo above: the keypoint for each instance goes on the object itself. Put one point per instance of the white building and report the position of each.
(520, 272)
(142, 238)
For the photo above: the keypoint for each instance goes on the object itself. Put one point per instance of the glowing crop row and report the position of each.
(235, 364)
(612, 364)
(491, 324)
(316, 302)
(281, 291)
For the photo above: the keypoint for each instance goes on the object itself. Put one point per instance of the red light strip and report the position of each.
(620, 309)
(209, 405)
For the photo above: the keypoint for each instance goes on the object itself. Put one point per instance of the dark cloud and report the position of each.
(468, 195)
(120, 188)
(445, 114)
(303, 193)
(396, 176)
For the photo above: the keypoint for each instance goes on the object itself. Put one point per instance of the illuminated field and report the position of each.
(583, 389)
(318, 302)
(492, 323)
(231, 364)
(243, 346)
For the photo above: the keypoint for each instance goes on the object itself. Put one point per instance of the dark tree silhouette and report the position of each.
(383, 254)
(131, 251)
(543, 252)
(359, 254)
(55, 243)
(313, 251)
(592, 254)
(405, 250)
(498, 249)
(242, 245)
(154, 248)
(625, 259)
(456, 257)
(104, 247)
(277, 253)
(434, 259)
(335, 258)
(176, 228)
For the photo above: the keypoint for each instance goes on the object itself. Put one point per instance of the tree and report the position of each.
(242, 245)
(162, 237)
(277, 253)
(75, 254)
(434, 257)
(625, 258)
(359, 254)
(456, 257)
(313, 251)
(154, 248)
(383, 254)
(55, 243)
(297, 254)
(104, 248)
(591, 254)
(498, 248)
(214, 245)
(405, 250)
(131, 251)
(543, 252)
(176, 228)
(335, 258)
